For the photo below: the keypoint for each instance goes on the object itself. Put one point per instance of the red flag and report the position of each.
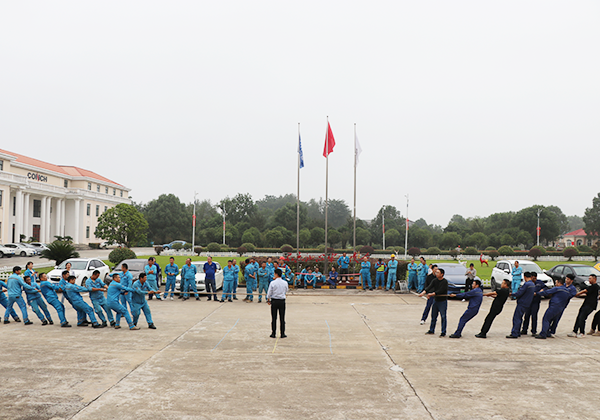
(329, 141)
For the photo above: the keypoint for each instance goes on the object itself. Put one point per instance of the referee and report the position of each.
(276, 298)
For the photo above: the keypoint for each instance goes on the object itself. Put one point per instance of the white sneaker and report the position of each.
(572, 335)
(171, 297)
(422, 322)
(580, 335)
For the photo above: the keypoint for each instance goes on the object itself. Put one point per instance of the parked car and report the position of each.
(455, 274)
(22, 250)
(82, 269)
(503, 269)
(580, 271)
(200, 276)
(136, 266)
(170, 244)
(6, 251)
(39, 246)
(38, 251)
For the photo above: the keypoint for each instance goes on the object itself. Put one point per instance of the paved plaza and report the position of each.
(348, 355)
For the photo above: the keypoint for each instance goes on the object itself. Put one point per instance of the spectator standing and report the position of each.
(517, 276)
(422, 271)
(276, 296)
(343, 264)
(380, 268)
(229, 274)
(365, 273)
(210, 269)
(263, 281)
(151, 275)
(412, 275)
(188, 278)
(392, 273)
(471, 274)
(236, 270)
(250, 277)
(171, 271)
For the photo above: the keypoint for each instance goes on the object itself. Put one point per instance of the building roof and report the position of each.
(578, 232)
(70, 171)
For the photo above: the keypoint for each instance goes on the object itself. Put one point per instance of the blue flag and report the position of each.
(300, 152)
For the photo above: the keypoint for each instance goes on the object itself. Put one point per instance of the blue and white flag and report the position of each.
(300, 152)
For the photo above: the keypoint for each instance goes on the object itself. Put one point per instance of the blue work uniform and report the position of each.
(271, 270)
(250, 276)
(15, 286)
(62, 284)
(188, 277)
(517, 276)
(49, 291)
(236, 269)
(380, 269)
(318, 277)
(126, 281)
(309, 280)
(391, 277)
(365, 274)
(343, 265)
(524, 297)
(332, 278)
(4, 301)
(263, 282)
(554, 323)
(412, 276)
(229, 274)
(151, 276)
(115, 289)
(171, 271)
(475, 297)
(287, 273)
(36, 301)
(422, 270)
(138, 298)
(559, 301)
(98, 300)
(301, 277)
(79, 304)
(532, 312)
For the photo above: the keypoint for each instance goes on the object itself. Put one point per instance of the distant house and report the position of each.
(576, 238)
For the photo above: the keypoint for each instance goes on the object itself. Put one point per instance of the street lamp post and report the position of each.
(194, 224)
(406, 230)
(538, 226)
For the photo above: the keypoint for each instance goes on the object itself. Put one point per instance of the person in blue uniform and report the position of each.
(62, 284)
(365, 273)
(96, 288)
(15, 286)
(210, 269)
(392, 267)
(412, 275)
(126, 281)
(517, 275)
(286, 271)
(250, 277)
(49, 289)
(188, 277)
(500, 297)
(475, 297)
(332, 278)
(422, 271)
(524, 296)
(532, 312)
(171, 271)
(141, 288)
(573, 290)
(263, 280)
(380, 268)
(236, 270)
(558, 302)
(229, 274)
(73, 291)
(309, 279)
(151, 275)
(343, 264)
(115, 289)
(4, 301)
(36, 301)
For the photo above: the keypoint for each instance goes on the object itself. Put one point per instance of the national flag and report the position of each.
(329, 141)
(357, 149)
(300, 151)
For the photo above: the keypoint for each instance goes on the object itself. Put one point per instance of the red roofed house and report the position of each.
(41, 200)
(576, 238)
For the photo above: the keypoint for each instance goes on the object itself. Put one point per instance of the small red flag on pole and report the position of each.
(329, 141)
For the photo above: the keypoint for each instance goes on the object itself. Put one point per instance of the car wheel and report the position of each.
(494, 285)
(22, 254)
(1, 254)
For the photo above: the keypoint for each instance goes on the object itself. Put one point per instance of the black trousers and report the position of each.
(278, 305)
(596, 321)
(584, 312)
(343, 273)
(487, 324)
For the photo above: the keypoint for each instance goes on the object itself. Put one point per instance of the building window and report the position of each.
(121, 193)
(105, 208)
(87, 232)
(14, 206)
(37, 208)
(97, 210)
(66, 184)
(1, 165)
(106, 190)
(90, 186)
(114, 191)
(89, 209)
(1, 200)
(98, 187)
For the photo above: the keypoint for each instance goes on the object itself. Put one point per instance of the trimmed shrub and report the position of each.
(197, 250)
(60, 251)
(242, 250)
(367, 249)
(470, 250)
(320, 248)
(223, 247)
(454, 253)
(535, 253)
(249, 246)
(491, 248)
(178, 246)
(493, 254)
(541, 248)
(286, 249)
(414, 251)
(158, 249)
(570, 252)
(506, 250)
(401, 251)
(550, 248)
(434, 250)
(187, 245)
(213, 247)
(119, 254)
(580, 248)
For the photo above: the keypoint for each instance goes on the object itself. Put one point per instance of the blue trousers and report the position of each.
(141, 307)
(250, 286)
(120, 310)
(86, 309)
(466, 317)
(555, 321)
(36, 305)
(227, 288)
(531, 312)
(234, 286)
(190, 286)
(391, 280)
(412, 280)
(380, 278)
(262, 285)
(441, 308)
(60, 309)
(19, 301)
(99, 305)
(427, 308)
(170, 286)
(366, 277)
(552, 313)
(515, 284)
(126, 300)
(518, 320)
(4, 302)
(421, 284)
(80, 314)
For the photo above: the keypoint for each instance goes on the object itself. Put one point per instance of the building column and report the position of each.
(63, 212)
(77, 218)
(27, 229)
(48, 220)
(57, 217)
(43, 220)
(18, 214)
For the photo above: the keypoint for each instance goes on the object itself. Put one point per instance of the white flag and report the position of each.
(357, 149)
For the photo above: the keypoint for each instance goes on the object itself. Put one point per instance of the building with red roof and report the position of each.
(41, 200)
(578, 237)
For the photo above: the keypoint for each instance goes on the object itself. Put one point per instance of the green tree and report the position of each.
(304, 237)
(168, 219)
(286, 216)
(274, 238)
(393, 237)
(591, 218)
(317, 235)
(238, 208)
(122, 224)
(479, 239)
(363, 236)
(337, 213)
(59, 251)
(333, 236)
(450, 240)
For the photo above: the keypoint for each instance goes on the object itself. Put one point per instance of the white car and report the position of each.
(22, 250)
(39, 246)
(503, 269)
(82, 269)
(6, 251)
(200, 276)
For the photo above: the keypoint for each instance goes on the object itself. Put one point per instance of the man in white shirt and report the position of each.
(276, 298)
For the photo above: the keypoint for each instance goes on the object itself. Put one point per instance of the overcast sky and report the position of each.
(470, 107)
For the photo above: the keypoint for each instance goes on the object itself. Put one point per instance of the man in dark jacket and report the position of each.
(524, 297)
(438, 289)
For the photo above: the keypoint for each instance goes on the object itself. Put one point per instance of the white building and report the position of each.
(41, 200)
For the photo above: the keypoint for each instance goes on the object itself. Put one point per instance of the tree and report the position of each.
(286, 216)
(591, 218)
(478, 239)
(122, 224)
(338, 212)
(238, 208)
(168, 219)
(449, 240)
(59, 251)
(575, 222)
(419, 237)
(570, 252)
(333, 236)
(317, 235)
(363, 236)
(304, 237)
(393, 237)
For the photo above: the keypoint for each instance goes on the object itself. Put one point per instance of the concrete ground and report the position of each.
(348, 355)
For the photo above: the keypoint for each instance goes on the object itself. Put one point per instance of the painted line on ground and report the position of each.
(238, 320)
(329, 331)
(276, 341)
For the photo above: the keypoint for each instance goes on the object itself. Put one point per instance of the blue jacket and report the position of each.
(127, 278)
(560, 296)
(422, 270)
(62, 284)
(15, 285)
(49, 290)
(271, 271)
(412, 268)
(365, 266)
(29, 273)
(249, 272)
(263, 274)
(236, 270)
(525, 294)
(2, 285)
(148, 269)
(73, 291)
(139, 292)
(114, 291)
(96, 284)
(539, 286)
(32, 295)
(474, 296)
(228, 273)
(343, 261)
(392, 265)
(189, 272)
(517, 274)
(171, 270)
(210, 270)
(309, 278)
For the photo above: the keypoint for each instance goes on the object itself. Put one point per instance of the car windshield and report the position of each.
(75, 265)
(199, 266)
(454, 269)
(533, 268)
(586, 271)
(133, 265)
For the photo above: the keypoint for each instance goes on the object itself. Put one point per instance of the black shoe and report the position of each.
(524, 333)
(6, 321)
(540, 337)
(82, 325)
(222, 301)
(511, 336)
(283, 336)
(209, 299)
(85, 324)
(65, 325)
(235, 298)
(273, 335)
(180, 297)
(185, 298)
(113, 323)
(442, 335)
(151, 326)
(371, 288)
(27, 322)
(17, 319)
(104, 324)
(50, 322)
(429, 333)
(44, 322)
(197, 298)
(480, 335)
(96, 325)
(454, 336)
(229, 300)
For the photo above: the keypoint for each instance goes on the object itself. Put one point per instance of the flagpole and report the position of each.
(383, 225)
(298, 205)
(406, 230)
(354, 222)
(326, 191)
